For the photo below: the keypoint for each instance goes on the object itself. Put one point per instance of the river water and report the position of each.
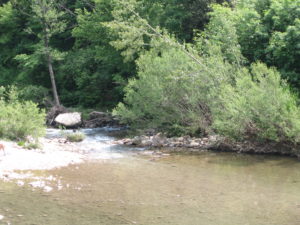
(121, 185)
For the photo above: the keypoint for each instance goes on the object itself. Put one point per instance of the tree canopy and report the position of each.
(187, 66)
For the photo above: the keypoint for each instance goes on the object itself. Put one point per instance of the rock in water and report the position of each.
(100, 119)
(69, 120)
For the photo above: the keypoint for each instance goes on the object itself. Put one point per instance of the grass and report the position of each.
(75, 137)
(31, 145)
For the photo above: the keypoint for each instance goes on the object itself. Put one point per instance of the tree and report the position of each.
(44, 24)
(269, 31)
(10, 39)
(49, 18)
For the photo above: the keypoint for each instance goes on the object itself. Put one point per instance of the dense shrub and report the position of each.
(173, 92)
(19, 119)
(259, 106)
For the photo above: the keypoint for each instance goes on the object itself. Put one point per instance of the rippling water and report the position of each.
(119, 185)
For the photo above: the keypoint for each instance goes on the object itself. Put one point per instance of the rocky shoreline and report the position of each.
(60, 116)
(16, 161)
(212, 143)
(58, 152)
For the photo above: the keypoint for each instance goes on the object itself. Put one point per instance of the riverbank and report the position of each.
(57, 152)
(53, 153)
(30, 167)
(192, 144)
(212, 143)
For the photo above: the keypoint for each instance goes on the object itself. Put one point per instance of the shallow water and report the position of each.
(119, 185)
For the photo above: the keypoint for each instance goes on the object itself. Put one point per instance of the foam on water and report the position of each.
(97, 143)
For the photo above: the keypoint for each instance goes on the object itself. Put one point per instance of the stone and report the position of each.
(100, 119)
(95, 115)
(180, 139)
(47, 189)
(193, 144)
(53, 113)
(146, 143)
(158, 140)
(137, 140)
(69, 120)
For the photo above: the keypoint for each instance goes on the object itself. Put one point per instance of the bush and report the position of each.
(176, 94)
(207, 88)
(177, 84)
(29, 145)
(259, 106)
(75, 137)
(19, 119)
(173, 92)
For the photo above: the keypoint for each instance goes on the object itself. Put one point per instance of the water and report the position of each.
(119, 185)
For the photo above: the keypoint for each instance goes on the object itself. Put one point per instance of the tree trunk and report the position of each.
(50, 67)
(54, 89)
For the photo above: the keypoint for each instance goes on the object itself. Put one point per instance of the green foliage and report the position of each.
(31, 145)
(36, 94)
(259, 106)
(220, 31)
(269, 31)
(184, 91)
(173, 91)
(94, 73)
(21, 143)
(19, 119)
(175, 87)
(7, 22)
(10, 34)
(75, 137)
(183, 66)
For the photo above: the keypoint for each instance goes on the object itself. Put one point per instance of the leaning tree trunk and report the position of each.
(50, 67)
(54, 89)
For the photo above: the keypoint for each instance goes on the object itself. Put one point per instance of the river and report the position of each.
(121, 185)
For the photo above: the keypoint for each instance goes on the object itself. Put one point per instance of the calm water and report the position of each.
(119, 185)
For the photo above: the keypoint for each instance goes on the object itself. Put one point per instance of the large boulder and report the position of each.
(53, 113)
(69, 120)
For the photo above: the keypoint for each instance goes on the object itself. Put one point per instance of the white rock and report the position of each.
(47, 189)
(37, 184)
(68, 119)
(193, 144)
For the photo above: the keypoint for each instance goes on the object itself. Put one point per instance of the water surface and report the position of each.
(119, 185)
